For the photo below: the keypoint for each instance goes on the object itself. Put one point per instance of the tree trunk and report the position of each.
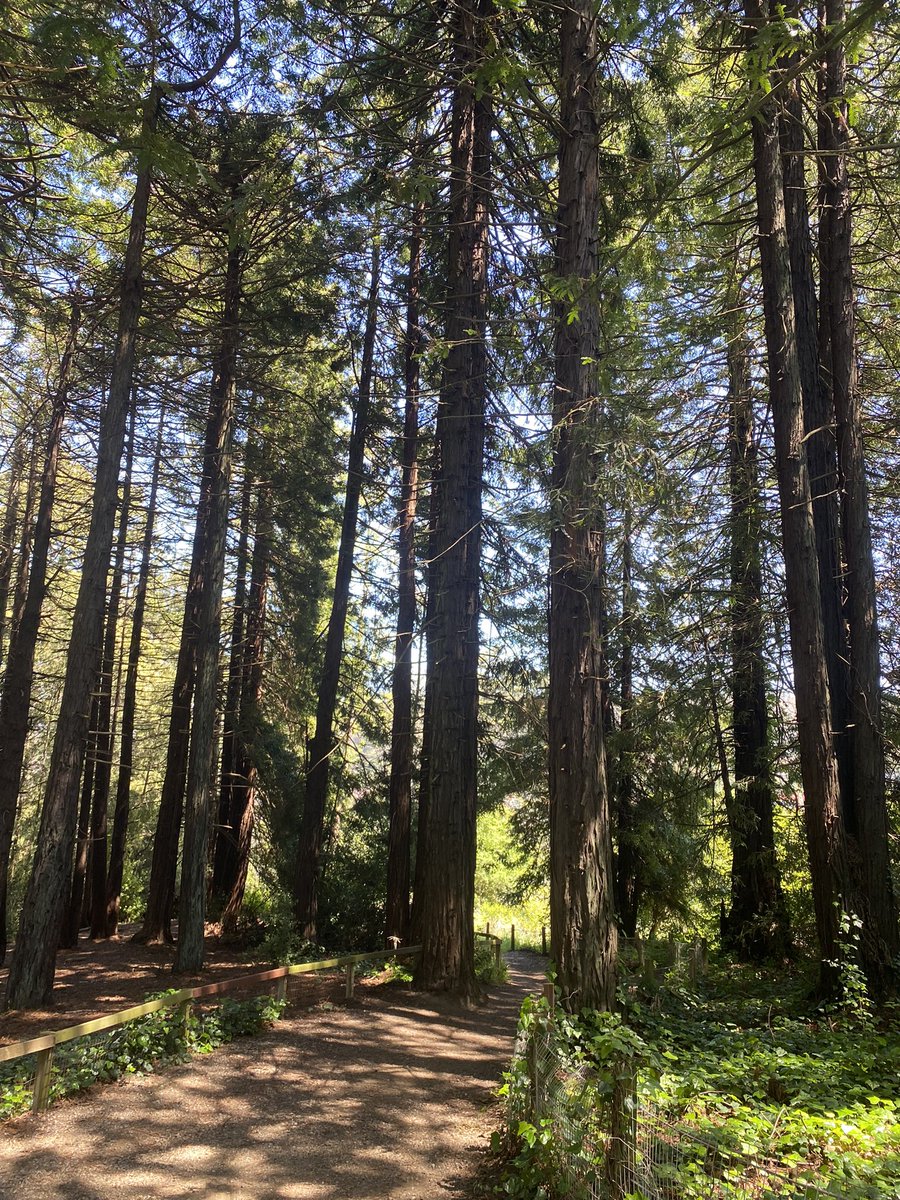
(10, 526)
(867, 817)
(243, 795)
(415, 916)
(223, 854)
(201, 756)
(15, 698)
(74, 915)
(31, 975)
(400, 787)
(628, 859)
(322, 745)
(129, 705)
(157, 923)
(756, 927)
(825, 837)
(26, 538)
(818, 420)
(104, 728)
(583, 928)
(448, 871)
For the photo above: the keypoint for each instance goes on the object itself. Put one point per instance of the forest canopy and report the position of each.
(448, 473)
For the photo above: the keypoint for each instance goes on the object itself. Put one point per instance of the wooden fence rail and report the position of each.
(44, 1045)
(498, 944)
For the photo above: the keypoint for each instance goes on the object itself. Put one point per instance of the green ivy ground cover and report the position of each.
(739, 1059)
(736, 1069)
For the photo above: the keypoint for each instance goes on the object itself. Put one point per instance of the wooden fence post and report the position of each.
(41, 1091)
(497, 951)
(543, 939)
(512, 937)
(184, 1013)
(550, 996)
(351, 977)
(281, 988)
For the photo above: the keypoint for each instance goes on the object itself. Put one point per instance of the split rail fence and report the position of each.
(45, 1044)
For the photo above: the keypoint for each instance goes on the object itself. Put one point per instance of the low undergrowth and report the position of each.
(743, 1092)
(138, 1047)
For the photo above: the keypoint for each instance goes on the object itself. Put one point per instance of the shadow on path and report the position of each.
(385, 1098)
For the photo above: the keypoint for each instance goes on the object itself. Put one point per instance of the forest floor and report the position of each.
(385, 1097)
(101, 977)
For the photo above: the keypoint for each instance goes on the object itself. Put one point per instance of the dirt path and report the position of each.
(384, 1099)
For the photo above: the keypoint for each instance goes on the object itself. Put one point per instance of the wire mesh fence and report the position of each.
(610, 1141)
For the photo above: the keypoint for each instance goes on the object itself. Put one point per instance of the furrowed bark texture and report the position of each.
(31, 974)
(866, 817)
(400, 785)
(448, 870)
(583, 928)
(15, 698)
(201, 755)
(322, 744)
(825, 840)
(756, 927)
(818, 420)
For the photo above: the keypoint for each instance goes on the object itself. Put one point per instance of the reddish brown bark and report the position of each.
(201, 754)
(825, 837)
(866, 815)
(446, 891)
(818, 417)
(756, 925)
(583, 928)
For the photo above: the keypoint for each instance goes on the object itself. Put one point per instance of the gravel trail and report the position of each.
(387, 1098)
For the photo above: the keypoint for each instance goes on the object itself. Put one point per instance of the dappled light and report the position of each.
(390, 1095)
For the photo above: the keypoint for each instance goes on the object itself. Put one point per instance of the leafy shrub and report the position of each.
(736, 1075)
(486, 968)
